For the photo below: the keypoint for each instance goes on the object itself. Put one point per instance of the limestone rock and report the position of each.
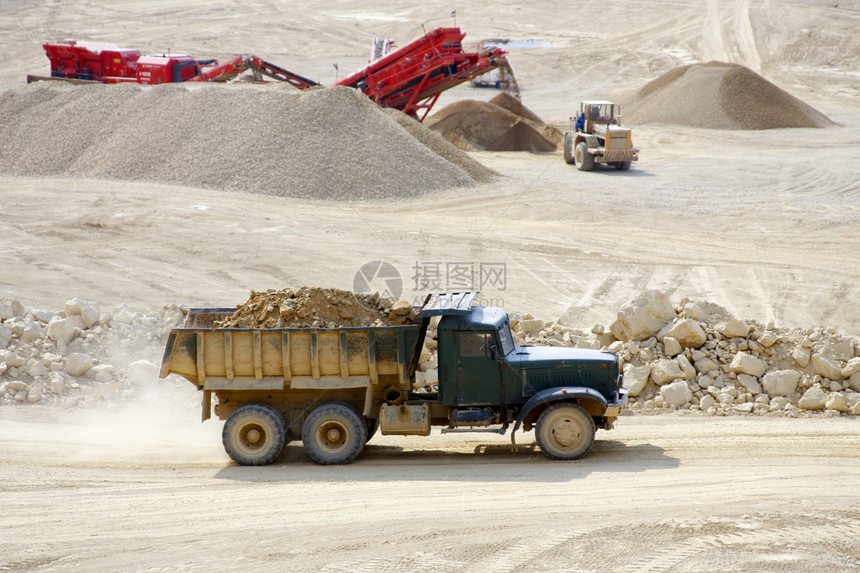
(671, 346)
(852, 367)
(686, 367)
(837, 348)
(706, 312)
(5, 336)
(827, 367)
(77, 363)
(854, 381)
(142, 372)
(643, 316)
(733, 328)
(676, 394)
(813, 399)
(744, 363)
(529, 326)
(801, 356)
(636, 378)
(61, 330)
(665, 370)
(836, 401)
(750, 383)
(707, 402)
(705, 365)
(686, 331)
(768, 339)
(11, 309)
(87, 310)
(781, 382)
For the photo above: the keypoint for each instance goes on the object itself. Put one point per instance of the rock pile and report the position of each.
(697, 356)
(502, 124)
(80, 356)
(271, 139)
(718, 95)
(317, 308)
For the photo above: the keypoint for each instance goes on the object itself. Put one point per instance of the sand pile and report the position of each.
(718, 95)
(502, 124)
(319, 308)
(322, 143)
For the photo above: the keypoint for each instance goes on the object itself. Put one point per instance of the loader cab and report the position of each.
(474, 347)
(593, 113)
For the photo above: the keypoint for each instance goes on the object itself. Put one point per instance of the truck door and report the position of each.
(478, 371)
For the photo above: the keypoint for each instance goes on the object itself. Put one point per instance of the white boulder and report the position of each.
(750, 383)
(781, 382)
(643, 316)
(636, 378)
(813, 399)
(77, 363)
(827, 367)
(676, 394)
(744, 363)
(686, 331)
(665, 370)
(733, 328)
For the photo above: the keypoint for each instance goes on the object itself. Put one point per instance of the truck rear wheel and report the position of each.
(583, 159)
(568, 147)
(622, 165)
(334, 433)
(254, 435)
(565, 432)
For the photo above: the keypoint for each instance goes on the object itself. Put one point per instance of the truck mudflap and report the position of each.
(611, 408)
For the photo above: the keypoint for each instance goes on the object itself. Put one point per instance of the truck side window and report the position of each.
(475, 344)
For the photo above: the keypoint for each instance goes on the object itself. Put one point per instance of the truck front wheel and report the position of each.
(334, 433)
(583, 159)
(254, 435)
(565, 432)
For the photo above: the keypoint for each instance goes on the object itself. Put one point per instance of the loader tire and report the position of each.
(568, 148)
(583, 159)
(565, 432)
(622, 165)
(254, 435)
(334, 433)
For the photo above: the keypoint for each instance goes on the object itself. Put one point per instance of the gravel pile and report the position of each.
(718, 95)
(502, 124)
(329, 143)
(317, 308)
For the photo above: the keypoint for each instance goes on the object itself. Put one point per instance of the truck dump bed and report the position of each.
(281, 358)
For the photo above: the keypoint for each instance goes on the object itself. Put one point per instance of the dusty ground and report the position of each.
(764, 223)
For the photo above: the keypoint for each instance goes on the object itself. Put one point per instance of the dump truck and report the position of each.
(598, 137)
(332, 388)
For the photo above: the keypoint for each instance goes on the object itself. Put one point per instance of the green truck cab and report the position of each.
(332, 388)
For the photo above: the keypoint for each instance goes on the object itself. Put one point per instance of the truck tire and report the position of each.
(583, 159)
(254, 435)
(622, 165)
(334, 433)
(568, 148)
(565, 432)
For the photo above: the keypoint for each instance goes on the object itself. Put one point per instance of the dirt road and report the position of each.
(149, 489)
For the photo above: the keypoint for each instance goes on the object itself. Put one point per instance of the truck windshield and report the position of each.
(505, 338)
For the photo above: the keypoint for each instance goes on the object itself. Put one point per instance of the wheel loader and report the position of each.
(598, 137)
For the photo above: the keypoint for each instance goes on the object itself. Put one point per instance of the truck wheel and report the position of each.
(334, 433)
(622, 165)
(254, 435)
(583, 159)
(568, 147)
(565, 432)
